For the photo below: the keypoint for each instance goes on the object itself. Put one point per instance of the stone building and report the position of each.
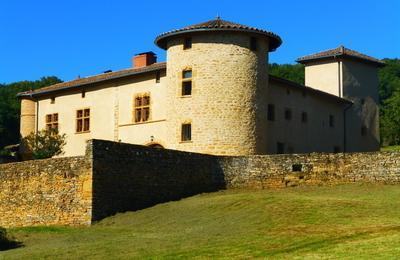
(214, 95)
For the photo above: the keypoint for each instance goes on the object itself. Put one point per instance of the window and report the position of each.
(142, 108)
(271, 112)
(331, 121)
(158, 76)
(186, 134)
(187, 83)
(280, 148)
(297, 167)
(288, 114)
(83, 120)
(253, 43)
(83, 94)
(304, 117)
(52, 121)
(52, 100)
(187, 44)
(363, 130)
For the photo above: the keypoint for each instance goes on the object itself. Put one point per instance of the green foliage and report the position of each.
(10, 107)
(390, 120)
(44, 144)
(293, 72)
(389, 79)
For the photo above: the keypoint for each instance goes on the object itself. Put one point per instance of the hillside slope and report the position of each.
(342, 222)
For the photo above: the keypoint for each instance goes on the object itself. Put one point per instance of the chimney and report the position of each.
(144, 59)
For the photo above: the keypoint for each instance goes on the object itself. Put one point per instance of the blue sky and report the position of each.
(67, 38)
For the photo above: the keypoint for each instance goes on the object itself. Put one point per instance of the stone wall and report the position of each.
(46, 192)
(117, 177)
(278, 171)
(130, 177)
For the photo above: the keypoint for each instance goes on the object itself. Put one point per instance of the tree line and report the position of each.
(389, 93)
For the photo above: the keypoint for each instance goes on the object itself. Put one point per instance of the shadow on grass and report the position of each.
(9, 244)
(332, 241)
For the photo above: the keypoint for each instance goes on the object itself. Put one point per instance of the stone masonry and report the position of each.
(117, 177)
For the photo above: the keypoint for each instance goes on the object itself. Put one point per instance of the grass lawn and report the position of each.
(347, 221)
(391, 148)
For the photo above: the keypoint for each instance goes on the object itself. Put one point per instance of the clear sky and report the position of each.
(67, 38)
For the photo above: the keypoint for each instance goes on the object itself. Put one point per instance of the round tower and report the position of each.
(217, 78)
(28, 114)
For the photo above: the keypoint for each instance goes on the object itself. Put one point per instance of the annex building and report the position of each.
(214, 95)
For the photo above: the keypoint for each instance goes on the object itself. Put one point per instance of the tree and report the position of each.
(293, 72)
(10, 107)
(390, 120)
(44, 144)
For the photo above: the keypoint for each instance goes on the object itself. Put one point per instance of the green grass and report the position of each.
(391, 148)
(347, 221)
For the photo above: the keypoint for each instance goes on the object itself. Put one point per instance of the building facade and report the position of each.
(214, 95)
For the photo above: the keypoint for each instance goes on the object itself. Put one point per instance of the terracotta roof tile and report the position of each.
(340, 51)
(218, 25)
(94, 79)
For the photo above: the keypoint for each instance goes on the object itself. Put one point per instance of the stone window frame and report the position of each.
(51, 121)
(141, 108)
(186, 132)
(82, 124)
(184, 82)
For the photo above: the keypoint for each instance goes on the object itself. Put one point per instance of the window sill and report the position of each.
(186, 142)
(142, 123)
(186, 96)
(84, 132)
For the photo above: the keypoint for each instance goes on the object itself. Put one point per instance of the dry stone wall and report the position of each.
(46, 192)
(278, 171)
(117, 177)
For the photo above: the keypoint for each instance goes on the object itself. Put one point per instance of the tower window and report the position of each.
(52, 121)
(158, 76)
(187, 44)
(142, 108)
(83, 120)
(186, 133)
(253, 43)
(304, 117)
(271, 112)
(187, 83)
(331, 121)
(52, 100)
(288, 114)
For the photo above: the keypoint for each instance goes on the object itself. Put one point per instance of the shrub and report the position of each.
(44, 144)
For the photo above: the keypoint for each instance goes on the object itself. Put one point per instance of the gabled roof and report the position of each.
(218, 25)
(297, 86)
(94, 79)
(340, 52)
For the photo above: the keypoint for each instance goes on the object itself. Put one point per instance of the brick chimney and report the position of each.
(144, 59)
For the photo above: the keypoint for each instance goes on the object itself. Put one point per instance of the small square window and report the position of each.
(187, 44)
(271, 112)
(288, 114)
(304, 117)
(186, 134)
(331, 121)
(187, 74)
(253, 43)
